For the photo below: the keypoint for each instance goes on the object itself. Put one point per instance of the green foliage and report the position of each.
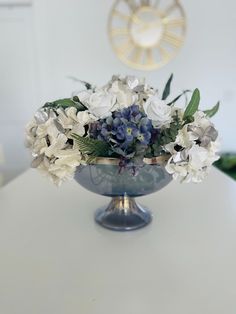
(86, 84)
(167, 135)
(166, 91)
(178, 97)
(66, 103)
(227, 164)
(91, 147)
(210, 113)
(193, 105)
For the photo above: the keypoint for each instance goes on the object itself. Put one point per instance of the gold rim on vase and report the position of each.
(160, 160)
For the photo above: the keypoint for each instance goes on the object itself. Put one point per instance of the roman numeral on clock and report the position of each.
(121, 15)
(146, 34)
(149, 59)
(119, 31)
(174, 22)
(137, 54)
(172, 39)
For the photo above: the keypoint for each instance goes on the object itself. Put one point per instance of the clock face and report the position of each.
(146, 34)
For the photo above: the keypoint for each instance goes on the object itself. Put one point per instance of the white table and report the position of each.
(55, 260)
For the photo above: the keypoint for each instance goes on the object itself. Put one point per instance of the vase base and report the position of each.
(123, 214)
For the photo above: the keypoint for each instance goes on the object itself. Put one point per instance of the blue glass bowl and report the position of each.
(104, 177)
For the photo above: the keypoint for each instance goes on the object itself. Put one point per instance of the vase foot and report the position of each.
(123, 214)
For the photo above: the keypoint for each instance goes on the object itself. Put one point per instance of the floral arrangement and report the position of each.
(126, 119)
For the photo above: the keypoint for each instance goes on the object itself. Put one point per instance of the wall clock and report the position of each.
(146, 34)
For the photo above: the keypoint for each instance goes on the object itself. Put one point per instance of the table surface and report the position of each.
(55, 260)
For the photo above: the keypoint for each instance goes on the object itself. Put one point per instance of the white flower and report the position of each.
(101, 103)
(157, 111)
(48, 137)
(124, 96)
(56, 145)
(183, 139)
(60, 168)
(39, 146)
(83, 118)
(30, 129)
(149, 91)
(84, 95)
(193, 163)
(73, 122)
(68, 117)
(49, 128)
(69, 157)
(65, 165)
(201, 120)
(194, 150)
(133, 81)
(179, 171)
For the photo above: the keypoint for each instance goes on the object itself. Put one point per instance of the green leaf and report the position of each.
(210, 113)
(167, 136)
(65, 103)
(193, 104)
(166, 91)
(86, 84)
(227, 164)
(178, 97)
(91, 147)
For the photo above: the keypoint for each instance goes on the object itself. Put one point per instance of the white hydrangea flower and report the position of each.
(183, 139)
(133, 82)
(194, 151)
(158, 111)
(84, 95)
(83, 119)
(56, 145)
(49, 128)
(48, 136)
(124, 95)
(73, 122)
(195, 167)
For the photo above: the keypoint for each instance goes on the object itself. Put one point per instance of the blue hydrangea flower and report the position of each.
(125, 131)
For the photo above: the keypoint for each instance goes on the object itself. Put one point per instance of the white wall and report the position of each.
(17, 83)
(70, 39)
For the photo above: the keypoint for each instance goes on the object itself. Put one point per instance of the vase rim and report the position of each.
(160, 160)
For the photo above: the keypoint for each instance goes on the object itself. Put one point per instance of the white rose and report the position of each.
(101, 103)
(157, 111)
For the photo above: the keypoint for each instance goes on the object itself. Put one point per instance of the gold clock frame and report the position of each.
(171, 38)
